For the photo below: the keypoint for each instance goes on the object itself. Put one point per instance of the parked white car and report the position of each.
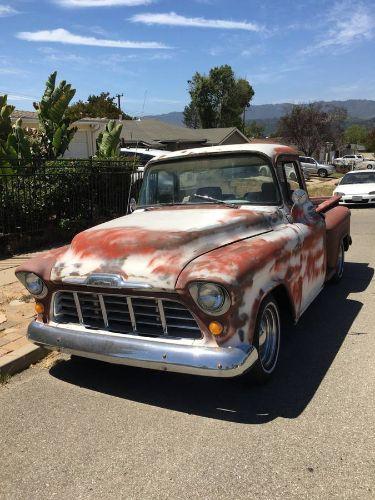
(357, 186)
(143, 155)
(366, 163)
(348, 160)
(311, 166)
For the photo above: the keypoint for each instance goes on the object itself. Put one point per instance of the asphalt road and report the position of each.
(90, 430)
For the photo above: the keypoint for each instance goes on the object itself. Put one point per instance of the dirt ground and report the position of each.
(16, 311)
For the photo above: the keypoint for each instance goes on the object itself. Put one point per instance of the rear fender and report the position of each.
(338, 230)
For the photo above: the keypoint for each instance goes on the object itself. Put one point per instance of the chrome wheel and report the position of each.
(269, 337)
(340, 261)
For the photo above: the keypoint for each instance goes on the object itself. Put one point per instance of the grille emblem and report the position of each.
(105, 280)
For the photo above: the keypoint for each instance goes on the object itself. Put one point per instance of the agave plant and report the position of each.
(55, 128)
(108, 141)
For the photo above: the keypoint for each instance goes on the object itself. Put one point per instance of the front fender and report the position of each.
(249, 270)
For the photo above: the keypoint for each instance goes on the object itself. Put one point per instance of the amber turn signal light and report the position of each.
(39, 308)
(216, 328)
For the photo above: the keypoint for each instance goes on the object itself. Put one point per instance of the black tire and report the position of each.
(339, 271)
(322, 173)
(266, 342)
(369, 166)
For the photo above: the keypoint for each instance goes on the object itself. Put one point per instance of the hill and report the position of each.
(359, 111)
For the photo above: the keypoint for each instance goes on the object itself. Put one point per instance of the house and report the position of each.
(143, 133)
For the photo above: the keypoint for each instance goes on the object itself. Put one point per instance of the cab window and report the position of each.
(290, 178)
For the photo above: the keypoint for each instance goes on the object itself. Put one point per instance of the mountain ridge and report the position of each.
(358, 109)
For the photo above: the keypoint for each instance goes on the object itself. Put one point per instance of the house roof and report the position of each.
(25, 115)
(218, 135)
(157, 131)
(154, 133)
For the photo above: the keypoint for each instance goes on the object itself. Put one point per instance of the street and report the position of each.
(83, 429)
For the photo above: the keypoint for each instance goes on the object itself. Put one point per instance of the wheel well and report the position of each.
(284, 301)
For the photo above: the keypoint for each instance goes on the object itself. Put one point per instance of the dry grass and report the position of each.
(50, 360)
(322, 189)
(4, 378)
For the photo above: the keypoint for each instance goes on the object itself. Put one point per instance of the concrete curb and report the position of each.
(21, 358)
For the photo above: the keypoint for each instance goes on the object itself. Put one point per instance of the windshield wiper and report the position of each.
(156, 205)
(214, 200)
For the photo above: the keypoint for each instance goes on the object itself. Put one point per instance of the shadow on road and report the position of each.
(307, 354)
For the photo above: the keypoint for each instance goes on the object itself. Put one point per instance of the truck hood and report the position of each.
(152, 247)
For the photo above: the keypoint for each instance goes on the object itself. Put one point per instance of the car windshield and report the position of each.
(231, 179)
(359, 178)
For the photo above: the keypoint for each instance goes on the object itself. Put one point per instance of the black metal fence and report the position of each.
(50, 201)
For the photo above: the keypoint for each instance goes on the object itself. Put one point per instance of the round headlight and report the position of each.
(34, 284)
(210, 297)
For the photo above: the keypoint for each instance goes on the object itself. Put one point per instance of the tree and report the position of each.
(309, 127)
(217, 99)
(55, 127)
(191, 117)
(254, 130)
(355, 134)
(370, 141)
(108, 141)
(335, 132)
(96, 106)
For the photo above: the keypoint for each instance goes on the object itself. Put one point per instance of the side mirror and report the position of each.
(132, 205)
(303, 210)
(299, 197)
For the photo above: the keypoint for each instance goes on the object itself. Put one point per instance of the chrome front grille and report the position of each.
(128, 315)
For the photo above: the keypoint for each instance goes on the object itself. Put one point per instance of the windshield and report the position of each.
(232, 179)
(359, 178)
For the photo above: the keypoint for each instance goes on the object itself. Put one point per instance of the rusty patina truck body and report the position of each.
(222, 246)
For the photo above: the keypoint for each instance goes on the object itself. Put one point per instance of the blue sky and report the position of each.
(293, 51)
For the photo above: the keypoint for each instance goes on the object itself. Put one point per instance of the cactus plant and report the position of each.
(5, 123)
(55, 127)
(108, 141)
(17, 147)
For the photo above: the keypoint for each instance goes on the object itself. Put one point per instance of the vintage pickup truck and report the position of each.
(221, 248)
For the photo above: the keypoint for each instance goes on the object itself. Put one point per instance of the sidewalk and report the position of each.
(16, 312)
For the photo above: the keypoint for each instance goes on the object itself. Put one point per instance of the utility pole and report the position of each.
(247, 106)
(119, 100)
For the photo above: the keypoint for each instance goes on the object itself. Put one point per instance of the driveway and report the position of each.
(90, 430)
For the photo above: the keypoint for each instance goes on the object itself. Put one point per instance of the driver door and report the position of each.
(311, 232)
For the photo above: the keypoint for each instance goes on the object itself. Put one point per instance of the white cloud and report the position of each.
(101, 3)
(349, 23)
(16, 97)
(7, 10)
(61, 35)
(173, 19)
(10, 71)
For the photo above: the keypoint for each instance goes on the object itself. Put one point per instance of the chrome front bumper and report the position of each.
(145, 353)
